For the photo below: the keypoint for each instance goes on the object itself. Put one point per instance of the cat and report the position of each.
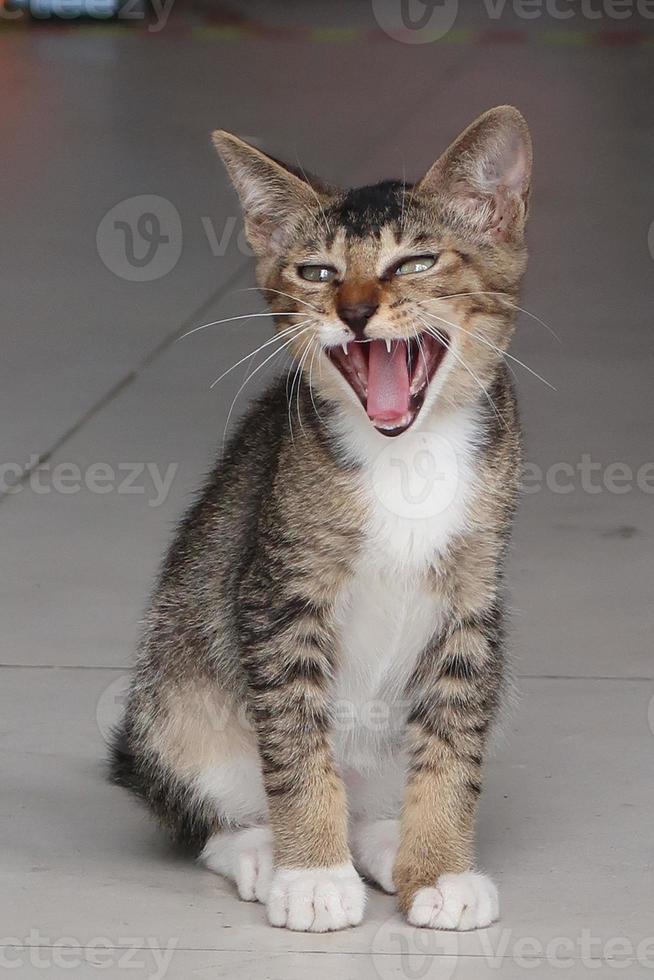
(324, 655)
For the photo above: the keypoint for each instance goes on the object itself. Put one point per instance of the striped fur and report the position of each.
(276, 604)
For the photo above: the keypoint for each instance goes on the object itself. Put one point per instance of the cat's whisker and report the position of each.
(487, 343)
(292, 330)
(422, 351)
(505, 299)
(316, 350)
(403, 196)
(303, 358)
(241, 316)
(443, 340)
(298, 375)
(247, 380)
(269, 289)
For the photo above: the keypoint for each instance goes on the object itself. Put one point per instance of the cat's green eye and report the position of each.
(420, 263)
(317, 273)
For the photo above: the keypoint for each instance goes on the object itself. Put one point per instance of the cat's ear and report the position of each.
(272, 194)
(485, 174)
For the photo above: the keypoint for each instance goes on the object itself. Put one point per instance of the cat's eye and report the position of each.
(418, 263)
(317, 273)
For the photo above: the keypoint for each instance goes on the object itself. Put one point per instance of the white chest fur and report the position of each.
(416, 488)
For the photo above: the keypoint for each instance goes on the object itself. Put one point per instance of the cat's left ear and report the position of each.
(273, 195)
(485, 174)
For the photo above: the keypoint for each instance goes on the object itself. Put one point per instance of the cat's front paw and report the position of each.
(244, 856)
(316, 899)
(457, 901)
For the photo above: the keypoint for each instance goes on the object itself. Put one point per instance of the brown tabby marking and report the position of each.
(244, 616)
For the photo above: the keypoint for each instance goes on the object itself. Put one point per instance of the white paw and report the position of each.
(374, 845)
(316, 899)
(244, 856)
(463, 901)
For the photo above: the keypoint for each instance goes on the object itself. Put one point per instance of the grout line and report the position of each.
(64, 667)
(533, 958)
(582, 677)
(168, 340)
(124, 382)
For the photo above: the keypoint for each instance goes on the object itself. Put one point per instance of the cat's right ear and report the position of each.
(272, 195)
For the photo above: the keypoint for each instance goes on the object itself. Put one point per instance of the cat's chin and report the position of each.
(393, 410)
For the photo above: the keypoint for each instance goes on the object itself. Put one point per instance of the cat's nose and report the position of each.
(357, 315)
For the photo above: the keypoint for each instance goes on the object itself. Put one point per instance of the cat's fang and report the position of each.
(394, 394)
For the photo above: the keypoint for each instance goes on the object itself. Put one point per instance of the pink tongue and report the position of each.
(388, 381)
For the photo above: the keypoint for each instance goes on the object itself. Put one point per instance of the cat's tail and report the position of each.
(120, 763)
(189, 819)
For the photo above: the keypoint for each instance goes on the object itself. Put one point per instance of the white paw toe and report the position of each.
(245, 856)
(458, 901)
(316, 899)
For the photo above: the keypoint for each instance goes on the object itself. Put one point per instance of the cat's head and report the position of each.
(395, 297)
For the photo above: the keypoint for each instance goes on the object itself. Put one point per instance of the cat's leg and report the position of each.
(243, 854)
(315, 887)
(195, 762)
(455, 691)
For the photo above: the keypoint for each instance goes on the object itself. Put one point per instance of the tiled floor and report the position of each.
(93, 373)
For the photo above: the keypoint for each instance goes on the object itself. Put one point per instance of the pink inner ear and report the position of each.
(508, 207)
(515, 173)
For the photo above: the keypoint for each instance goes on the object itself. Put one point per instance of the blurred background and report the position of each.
(121, 235)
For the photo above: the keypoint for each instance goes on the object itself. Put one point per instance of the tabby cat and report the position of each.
(323, 655)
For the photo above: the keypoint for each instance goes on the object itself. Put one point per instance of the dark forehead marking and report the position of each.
(364, 211)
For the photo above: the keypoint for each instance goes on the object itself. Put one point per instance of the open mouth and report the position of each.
(390, 378)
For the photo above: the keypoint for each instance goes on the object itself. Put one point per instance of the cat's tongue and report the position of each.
(388, 381)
